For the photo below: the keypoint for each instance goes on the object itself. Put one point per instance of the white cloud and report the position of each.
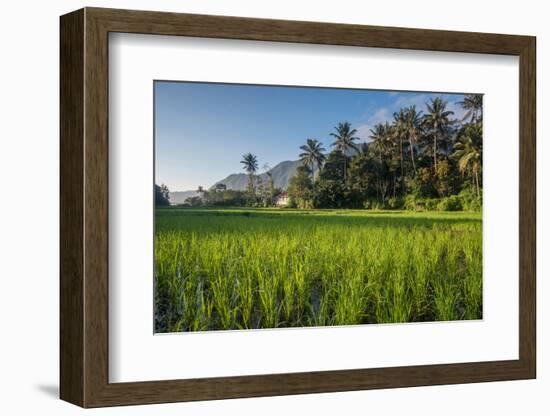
(419, 100)
(380, 116)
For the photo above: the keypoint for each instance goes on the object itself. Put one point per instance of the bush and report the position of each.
(450, 203)
(412, 203)
(371, 203)
(377, 205)
(395, 203)
(422, 185)
(469, 199)
(431, 204)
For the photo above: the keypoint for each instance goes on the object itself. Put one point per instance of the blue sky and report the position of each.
(203, 129)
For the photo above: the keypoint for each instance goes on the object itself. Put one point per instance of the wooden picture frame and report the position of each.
(84, 207)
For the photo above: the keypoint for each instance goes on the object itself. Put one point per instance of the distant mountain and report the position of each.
(281, 173)
(179, 197)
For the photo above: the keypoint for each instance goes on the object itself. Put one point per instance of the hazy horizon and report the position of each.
(203, 129)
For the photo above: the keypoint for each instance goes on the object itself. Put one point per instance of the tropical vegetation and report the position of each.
(421, 160)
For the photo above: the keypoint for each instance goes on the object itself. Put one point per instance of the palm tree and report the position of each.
(437, 121)
(468, 153)
(399, 132)
(473, 103)
(345, 140)
(312, 155)
(270, 186)
(250, 163)
(412, 122)
(381, 135)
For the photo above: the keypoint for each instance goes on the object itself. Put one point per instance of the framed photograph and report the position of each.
(255, 207)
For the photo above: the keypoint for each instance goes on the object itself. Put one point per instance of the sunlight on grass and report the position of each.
(268, 268)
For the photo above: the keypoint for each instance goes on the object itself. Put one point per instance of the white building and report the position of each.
(282, 200)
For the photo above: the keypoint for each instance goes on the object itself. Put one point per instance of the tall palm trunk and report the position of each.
(345, 169)
(402, 172)
(435, 152)
(250, 184)
(412, 156)
(477, 182)
(313, 175)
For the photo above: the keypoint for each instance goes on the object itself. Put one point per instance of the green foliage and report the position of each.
(330, 194)
(470, 200)
(431, 204)
(468, 154)
(267, 268)
(228, 197)
(194, 201)
(443, 178)
(395, 203)
(450, 203)
(373, 204)
(362, 175)
(412, 203)
(300, 188)
(162, 196)
(422, 185)
(333, 169)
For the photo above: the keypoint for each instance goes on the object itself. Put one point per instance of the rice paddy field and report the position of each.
(222, 269)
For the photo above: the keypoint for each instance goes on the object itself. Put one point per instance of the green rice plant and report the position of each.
(244, 287)
(268, 293)
(268, 268)
(423, 262)
(446, 285)
(320, 310)
(445, 300)
(301, 282)
(289, 293)
(401, 302)
(202, 318)
(472, 283)
(350, 299)
(223, 297)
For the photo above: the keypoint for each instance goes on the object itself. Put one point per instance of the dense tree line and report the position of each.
(420, 160)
